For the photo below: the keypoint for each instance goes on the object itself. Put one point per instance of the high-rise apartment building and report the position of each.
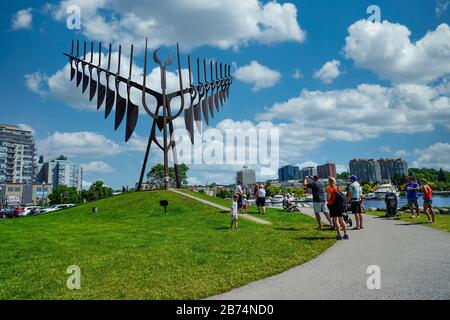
(326, 170)
(367, 170)
(288, 173)
(247, 177)
(60, 171)
(393, 169)
(17, 152)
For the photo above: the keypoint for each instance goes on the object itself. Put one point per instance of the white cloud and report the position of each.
(340, 168)
(22, 19)
(83, 144)
(86, 184)
(261, 77)
(365, 112)
(223, 24)
(97, 167)
(329, 72)
(34, 82)
(386, 49)
(436, 156)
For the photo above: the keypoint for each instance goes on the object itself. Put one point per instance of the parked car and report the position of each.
(7, 213)
(48, 209)
(29, 211)
(18, 212)
(63, 206)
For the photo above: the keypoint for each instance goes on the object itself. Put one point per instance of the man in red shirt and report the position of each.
(428, 201)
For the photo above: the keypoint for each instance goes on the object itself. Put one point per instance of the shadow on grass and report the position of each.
(315, 238)
(287, 229)
(410, 224)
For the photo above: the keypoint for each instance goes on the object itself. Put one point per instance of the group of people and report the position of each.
(334, 205)
(412, 191)
(240, 202)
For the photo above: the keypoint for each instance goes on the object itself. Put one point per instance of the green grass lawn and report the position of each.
(131, 250)
(442, 220)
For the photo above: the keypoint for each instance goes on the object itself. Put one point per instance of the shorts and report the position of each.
(413, 202)
(335, 212)
(320, 207)
(356, 207)
(261, 202)
(428, 201)
(245, 206)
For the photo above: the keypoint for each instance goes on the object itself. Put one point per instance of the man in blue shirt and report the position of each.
(412, 189)
(354, 196)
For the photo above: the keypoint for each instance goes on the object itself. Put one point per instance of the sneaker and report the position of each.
(346, 237)
(338, 238)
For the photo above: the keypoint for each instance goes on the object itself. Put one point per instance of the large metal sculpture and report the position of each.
(205, 95)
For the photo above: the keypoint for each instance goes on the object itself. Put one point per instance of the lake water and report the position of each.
(439, 200)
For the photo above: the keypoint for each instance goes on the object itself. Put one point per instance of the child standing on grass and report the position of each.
(234, 212)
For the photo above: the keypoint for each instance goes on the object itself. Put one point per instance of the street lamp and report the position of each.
(1, 198)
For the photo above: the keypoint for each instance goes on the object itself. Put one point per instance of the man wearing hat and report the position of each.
(354, 194)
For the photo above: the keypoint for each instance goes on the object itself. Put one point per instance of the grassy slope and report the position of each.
(442, 220)
(131, 250)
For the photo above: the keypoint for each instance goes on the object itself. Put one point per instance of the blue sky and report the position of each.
(366, 90)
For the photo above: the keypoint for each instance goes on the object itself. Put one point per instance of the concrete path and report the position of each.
(414, 261)
(220, 207)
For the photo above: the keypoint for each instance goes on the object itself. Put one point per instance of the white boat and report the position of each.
(383, 189)
(370, 196)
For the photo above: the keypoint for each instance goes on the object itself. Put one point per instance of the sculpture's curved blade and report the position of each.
(100, 94)
(132, 118)
(205, 110)
(92, 89)
(72, 71)
(110, 98)
(79, 77)
(211, 105)
(216, 101)
(221, 97)
(85, 82)
(198, 116)
(121, 107)
(189, 122)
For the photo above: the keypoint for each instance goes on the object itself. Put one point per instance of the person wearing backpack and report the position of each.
(337, 203)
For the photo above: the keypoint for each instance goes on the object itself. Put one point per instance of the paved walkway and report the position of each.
(220, 207)
(414, 262)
